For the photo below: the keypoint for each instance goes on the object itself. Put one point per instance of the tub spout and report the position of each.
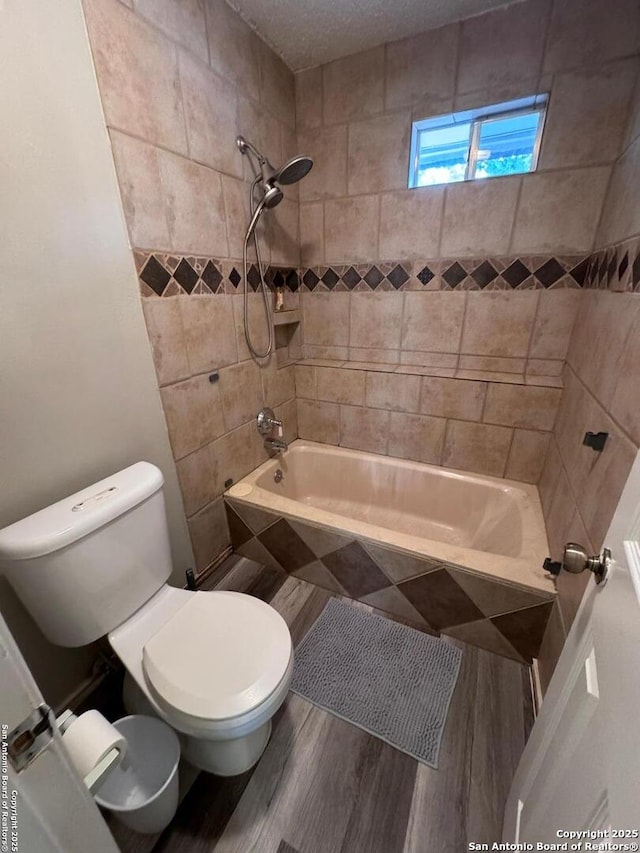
(275, 445)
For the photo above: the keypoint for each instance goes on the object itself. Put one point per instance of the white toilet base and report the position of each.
(227, 757)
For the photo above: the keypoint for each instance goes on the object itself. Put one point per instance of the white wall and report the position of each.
(78, 393)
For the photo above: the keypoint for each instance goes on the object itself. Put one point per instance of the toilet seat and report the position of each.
(219, 657)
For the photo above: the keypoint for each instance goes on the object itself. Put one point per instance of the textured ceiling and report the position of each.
(311, 32)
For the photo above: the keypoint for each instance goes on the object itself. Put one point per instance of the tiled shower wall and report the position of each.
(580, 488)
(179, 81)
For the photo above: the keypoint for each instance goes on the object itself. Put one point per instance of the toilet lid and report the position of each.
(219, 656)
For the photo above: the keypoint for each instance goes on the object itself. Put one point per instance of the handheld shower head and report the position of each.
(294, 170)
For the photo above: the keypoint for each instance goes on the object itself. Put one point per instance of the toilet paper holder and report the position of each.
(93, 779)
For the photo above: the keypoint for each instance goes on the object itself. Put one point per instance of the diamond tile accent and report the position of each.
(516, 273)
(155, 275)
(373, 277)
(253, 277)
(398, 276)
(292, 280)
(310, 279)
(491, 596)
(623, 265)
(484, 274)
(211, 276)
(549, 273)
(454, 275)
(397, 565)
(254, 517)
(234, 277)
(579, 272)
(635, 272)
(320, 540)
(185, 275)
(425, 275)
(524, 629)
(485, 635)
(281, 540)
(355, 570)
(277, 278)
(441, 601)
(330, 278)
(351, 278)
(238, 530)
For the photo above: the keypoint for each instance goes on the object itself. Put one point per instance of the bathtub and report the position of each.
(411, 519)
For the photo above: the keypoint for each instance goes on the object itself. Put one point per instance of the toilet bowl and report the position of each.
(214, 665)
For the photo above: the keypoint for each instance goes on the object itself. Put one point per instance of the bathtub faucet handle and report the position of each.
(267, 421)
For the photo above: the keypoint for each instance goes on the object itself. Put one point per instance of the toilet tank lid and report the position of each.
(74, 517)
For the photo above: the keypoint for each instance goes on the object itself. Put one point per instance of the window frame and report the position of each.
(476, 118)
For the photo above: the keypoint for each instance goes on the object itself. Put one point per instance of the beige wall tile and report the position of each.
(262, 129)
(583, 32)
(625, 405)
(207, 322)
(337, 354)
(378, 153)
(550, 476)
(557, 311)
(522, 406)
(375, 320)
(421, 70)
(258, 328)
(395, 391)
(502, 47)
(284, 235)
(194, 414)
(240, 393)
(277, 86)
(196, 480)
(308, 85)
(492, 364)
(476, 447)
(587, 115)
(527, 455)
(621, 213)
(410, 223)
(137, 72)
(278, 384)
(432, 322)
(211, 114)
(236, 209)
(573, 198)
(288, 414)
(452, 398)
(209, 533)
(597, 345)
(234, 47)
(233, 456)
(561, 511)
(364, 429)
(139, 181)
(305, 381)
(194, 206)
(326, 319)
(182, 20)
(499, 323)
(351, 229)
(353, 86)
(319, 421)
(164, 326)
(328, 148)
(312, 233)
(416, 437)
(478, 217)
(371, 357)
(338, 385)
(428, 360)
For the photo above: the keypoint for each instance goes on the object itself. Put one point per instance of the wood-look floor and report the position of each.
(325, 786)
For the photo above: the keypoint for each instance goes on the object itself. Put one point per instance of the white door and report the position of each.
(45, 807)
(580, 771)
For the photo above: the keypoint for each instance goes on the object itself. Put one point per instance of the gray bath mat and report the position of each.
(390, 680)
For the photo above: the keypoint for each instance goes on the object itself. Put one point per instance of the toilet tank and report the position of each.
(83, 565)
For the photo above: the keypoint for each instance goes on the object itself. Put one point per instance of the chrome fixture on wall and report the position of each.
(268, 180)
(267, 424)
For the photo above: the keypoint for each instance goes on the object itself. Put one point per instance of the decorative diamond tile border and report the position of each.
(613, 268)
(433, 596)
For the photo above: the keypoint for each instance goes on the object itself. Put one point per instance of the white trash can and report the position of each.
(142, 792)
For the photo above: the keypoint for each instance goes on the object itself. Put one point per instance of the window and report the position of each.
(502, 139)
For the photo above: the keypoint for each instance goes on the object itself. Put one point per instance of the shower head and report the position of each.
(294, 170)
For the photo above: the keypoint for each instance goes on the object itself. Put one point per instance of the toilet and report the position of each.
(216, 666)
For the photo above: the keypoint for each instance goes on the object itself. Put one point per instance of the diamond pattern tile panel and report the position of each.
(281, 540)
(440, 600)
(355, 570)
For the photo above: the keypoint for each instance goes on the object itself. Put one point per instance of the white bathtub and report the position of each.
(479, 523)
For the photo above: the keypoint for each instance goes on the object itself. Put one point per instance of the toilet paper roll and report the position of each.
(89, 739)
